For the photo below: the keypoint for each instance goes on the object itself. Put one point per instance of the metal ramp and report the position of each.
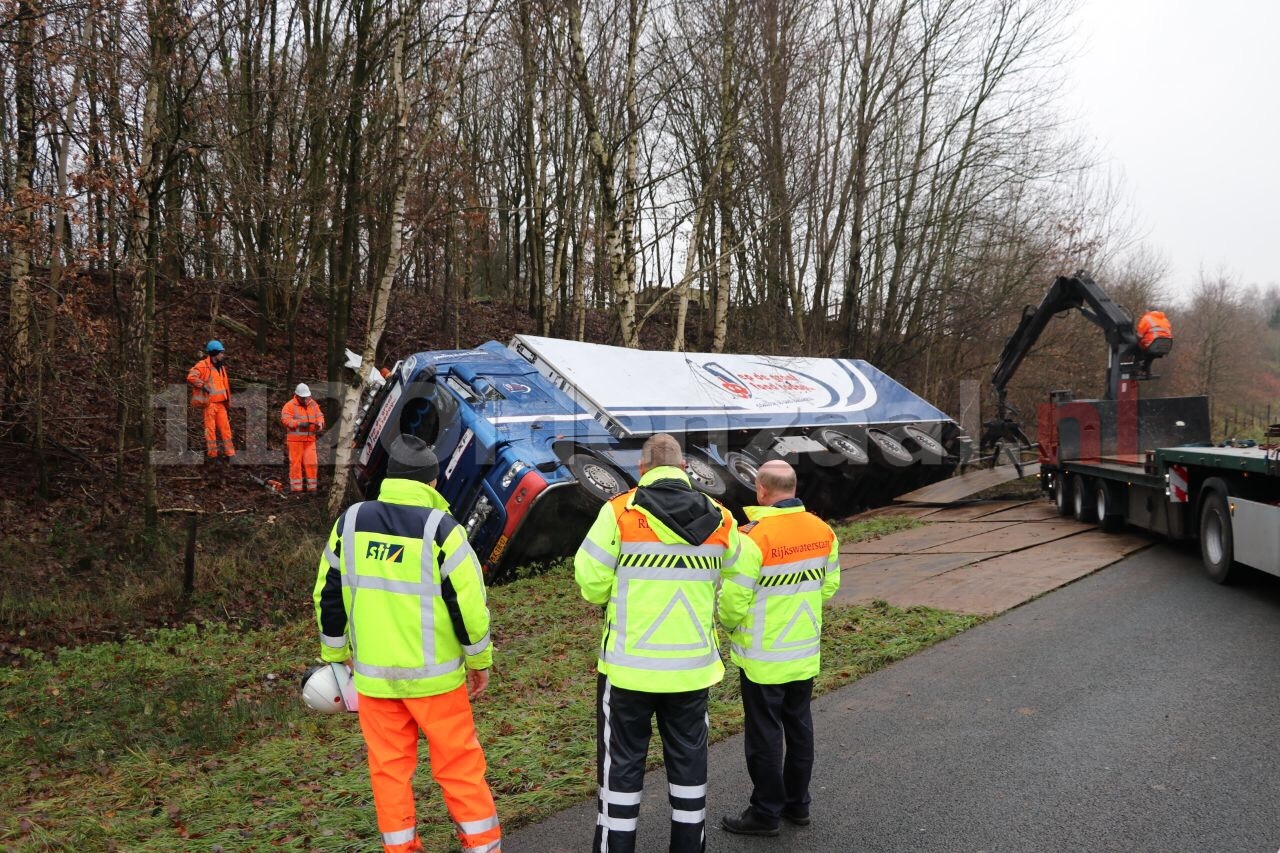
(971, 483)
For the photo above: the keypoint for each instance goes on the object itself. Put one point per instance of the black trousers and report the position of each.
(623, 729)
(779, 745)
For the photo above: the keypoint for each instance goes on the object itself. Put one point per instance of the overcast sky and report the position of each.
(1182, 97)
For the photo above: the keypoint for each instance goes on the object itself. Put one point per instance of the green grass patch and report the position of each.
(874, 528)
(195, 737)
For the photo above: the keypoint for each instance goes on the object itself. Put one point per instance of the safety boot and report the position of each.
(748, 823)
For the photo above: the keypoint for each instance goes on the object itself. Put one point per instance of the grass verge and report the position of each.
(194, 738)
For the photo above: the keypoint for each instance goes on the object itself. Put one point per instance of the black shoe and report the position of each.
(747, 823)
(796, 818)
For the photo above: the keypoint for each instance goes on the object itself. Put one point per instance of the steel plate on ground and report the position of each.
(955, 488)
(920, 538)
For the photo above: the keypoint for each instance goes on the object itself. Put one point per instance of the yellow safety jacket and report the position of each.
(400, 591)
(659, 634)
(772, 605)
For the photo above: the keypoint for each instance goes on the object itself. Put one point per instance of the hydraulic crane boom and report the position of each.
(1081, 293)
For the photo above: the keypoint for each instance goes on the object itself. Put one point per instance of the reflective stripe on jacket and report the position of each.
(772, 605)
(409, 614)
(209, 383)
(302, 421)
(659, 634)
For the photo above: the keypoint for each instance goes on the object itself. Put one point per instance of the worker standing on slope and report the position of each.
(655, 556)
(303, 422)
(772, 609)
(211, 391)
(401, 595)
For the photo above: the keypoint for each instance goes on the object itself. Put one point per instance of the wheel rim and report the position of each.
(743, 468)
(1100, 503)
(847, 447)
(1212, 538)
(1078, 504)
(699, 471)
(889, 446)
(602, 478)
(927, 443)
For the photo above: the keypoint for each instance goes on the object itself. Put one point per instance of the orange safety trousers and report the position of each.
(303, 465)
(216, 422)
(390, 729)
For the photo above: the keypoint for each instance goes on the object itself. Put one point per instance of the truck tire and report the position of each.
(1217, 545)
(888, 451)
(597, 477)
(844, 446)
(926, 447)
(705, 475)
(742, 469)
(1062, 494)
(1082, 499)
(1106, 500)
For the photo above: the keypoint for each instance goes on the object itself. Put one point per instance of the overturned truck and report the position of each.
(533, 436)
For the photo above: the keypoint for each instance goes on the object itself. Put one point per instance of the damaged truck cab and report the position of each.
(534, 436)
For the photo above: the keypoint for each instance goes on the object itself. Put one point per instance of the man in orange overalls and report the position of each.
(303, 421)
(211, 391)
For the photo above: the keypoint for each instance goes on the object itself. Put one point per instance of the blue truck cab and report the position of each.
(503, 434)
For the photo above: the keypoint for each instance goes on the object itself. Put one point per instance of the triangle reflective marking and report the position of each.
(783, 643)
(645, 644)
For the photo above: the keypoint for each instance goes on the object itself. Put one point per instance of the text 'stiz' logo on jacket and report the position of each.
(728, 381)
(385, 552)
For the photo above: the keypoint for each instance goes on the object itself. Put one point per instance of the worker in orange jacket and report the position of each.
(211, 391)
(303, 421)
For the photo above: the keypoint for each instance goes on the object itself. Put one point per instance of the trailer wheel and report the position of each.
(889, 451)
(705, 475)
(1217, 545)
(1105, 506)
(1081, 500)
(1062, 494)
(597, 477)
(919, 441)
(843, 445)
(742, 468)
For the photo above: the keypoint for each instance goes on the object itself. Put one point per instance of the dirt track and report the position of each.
(977, 557)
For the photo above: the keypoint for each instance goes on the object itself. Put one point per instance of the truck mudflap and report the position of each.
(1255, 534)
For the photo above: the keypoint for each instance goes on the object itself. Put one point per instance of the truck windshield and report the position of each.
(431, 413)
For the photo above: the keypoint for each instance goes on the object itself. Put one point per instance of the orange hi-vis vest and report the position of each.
(660, 625)
(1151, 327)
(302, 421)
(777, 640)
(209, 384)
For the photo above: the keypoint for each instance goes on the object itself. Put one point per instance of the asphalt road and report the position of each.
(1137, 709)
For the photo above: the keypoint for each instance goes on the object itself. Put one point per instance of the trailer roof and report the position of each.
(640, 392)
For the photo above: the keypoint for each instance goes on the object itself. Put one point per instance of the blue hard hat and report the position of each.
(214, 346)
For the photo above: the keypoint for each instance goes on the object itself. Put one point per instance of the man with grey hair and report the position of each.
(772, 609)
(655, 555)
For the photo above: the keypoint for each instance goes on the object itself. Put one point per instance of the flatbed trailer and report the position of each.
(1227, 498)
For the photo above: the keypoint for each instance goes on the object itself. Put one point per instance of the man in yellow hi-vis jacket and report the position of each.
(401, 595)
(772, 609)
(655, 555)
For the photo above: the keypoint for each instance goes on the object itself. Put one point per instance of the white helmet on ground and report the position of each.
(329, 689)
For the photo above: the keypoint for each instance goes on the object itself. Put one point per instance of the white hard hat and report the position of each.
(329, 689)
(302, 390)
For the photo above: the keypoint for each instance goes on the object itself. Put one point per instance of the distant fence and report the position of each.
(1243, 420)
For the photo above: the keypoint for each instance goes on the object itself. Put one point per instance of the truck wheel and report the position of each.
(1105, 505)
(705, 475)
(842, 445)
(742, 468)
(1217, 545)
(1081, 500)
(1062, 494)
(597, 477)
(888, 450)
(918, 441)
